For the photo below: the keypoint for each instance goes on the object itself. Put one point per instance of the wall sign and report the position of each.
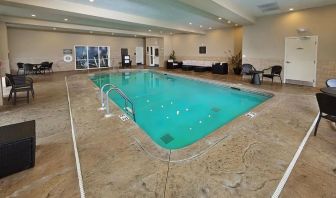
(67, 55)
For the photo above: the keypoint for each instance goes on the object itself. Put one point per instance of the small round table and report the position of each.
(329, 90)
(256, 77)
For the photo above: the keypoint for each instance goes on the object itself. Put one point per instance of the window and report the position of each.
(90, 57)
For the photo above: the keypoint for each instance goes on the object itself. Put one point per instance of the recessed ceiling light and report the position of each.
(236, 25)
(190, 23)
(291, 9)
(135, 35)
(201, 26)
(33, 15)
(228, 22)
(91, 0)
(210, 28)
(54, 28)
(66, 19)
(219, 18)
(149, 30)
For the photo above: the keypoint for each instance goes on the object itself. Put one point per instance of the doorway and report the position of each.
(139, 56)
(300, 60)
(153, 56)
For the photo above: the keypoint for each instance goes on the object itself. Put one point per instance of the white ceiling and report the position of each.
(138, 16)
(251, 6)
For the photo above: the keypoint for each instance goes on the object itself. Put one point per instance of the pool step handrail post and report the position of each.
(103, 105)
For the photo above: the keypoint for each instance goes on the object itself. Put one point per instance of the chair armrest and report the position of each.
(266, 69)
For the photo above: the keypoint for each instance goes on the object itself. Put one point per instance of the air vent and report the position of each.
(268, 7)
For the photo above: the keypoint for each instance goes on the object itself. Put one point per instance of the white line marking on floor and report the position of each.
(79, 172)
(285, 177)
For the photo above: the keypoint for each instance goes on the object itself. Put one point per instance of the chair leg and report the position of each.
(14, 100)
(10, 95)
(33, 92)
(272, 80)
(28, 96)
(280, 79)
(317, 124)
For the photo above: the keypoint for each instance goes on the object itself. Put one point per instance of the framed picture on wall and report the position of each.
(202, 50)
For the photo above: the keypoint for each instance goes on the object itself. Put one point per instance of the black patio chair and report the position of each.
(20, 68)
(29, 69)
(44, 66)
(20, 84)
(50, 67)
(275, 72)
(331, 83)
(247, 69)
(327, 105)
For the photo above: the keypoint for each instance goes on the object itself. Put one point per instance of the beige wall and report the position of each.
(238, 40)
(4, 61)
(219, 43)
(264, 42)
(37, 46)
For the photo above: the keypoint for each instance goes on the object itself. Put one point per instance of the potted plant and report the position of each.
(172, 56)
(236, 62)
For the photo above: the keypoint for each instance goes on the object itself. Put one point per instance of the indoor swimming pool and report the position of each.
(176, 111)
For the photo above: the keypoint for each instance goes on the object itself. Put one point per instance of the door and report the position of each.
(300, 60)
(139, 55)
(153, 56)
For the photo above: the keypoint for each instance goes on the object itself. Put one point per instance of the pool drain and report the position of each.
(167, 138)
(216, 109)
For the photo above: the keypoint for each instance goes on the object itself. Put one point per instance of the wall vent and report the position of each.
(269, 7)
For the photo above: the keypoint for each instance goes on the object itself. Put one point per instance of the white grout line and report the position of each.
(79, 172)
(285, 177)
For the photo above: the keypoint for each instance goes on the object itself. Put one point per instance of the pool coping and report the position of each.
(201, 146)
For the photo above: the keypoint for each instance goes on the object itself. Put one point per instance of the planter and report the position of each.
(237, 70)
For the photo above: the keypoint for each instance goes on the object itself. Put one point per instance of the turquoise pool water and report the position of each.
(174, 111)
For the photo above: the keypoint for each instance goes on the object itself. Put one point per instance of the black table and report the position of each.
(329, 90)
(256, 77)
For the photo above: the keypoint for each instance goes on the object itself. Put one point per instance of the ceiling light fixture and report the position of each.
(210, 28)
(228, 22)
(149, 30)
(33, 15)
(291, 9)
(66, 19)
(219, 18)
(54, 28)
(236, 25)
(201, 26)
(190, 23)
(91, 1)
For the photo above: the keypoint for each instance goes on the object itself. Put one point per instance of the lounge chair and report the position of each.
(247, 69)
(17, 147)
(44, 66)
(29, 69)
(220, 68)
(331, 83)
(20, 84)
(327, 107)
(275, 72)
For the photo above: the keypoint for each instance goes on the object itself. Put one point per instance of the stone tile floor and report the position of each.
(249, 162)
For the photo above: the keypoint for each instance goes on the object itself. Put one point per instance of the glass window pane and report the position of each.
(81, 57)
(93, 57)
(104, 56)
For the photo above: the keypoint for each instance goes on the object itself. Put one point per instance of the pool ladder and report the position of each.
(105, 103)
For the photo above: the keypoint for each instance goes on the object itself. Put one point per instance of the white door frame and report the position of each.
(315, 62)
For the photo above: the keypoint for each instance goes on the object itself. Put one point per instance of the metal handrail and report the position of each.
(102, 95)
(123, 95)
